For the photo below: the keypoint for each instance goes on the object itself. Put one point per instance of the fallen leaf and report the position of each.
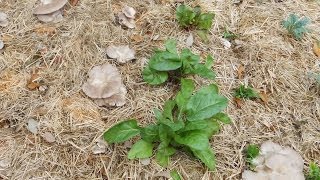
(45, 30)
(316, 48)
(49, 137)
(31, 84)
(74, 2)
(240, 71)
(137, 38)
(264, 97)
(189, 41)
(238, 102)
(33, 126)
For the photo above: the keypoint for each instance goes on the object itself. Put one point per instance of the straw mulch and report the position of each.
(274, 63)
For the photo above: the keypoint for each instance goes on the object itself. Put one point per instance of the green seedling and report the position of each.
(229, 35)
(252, 152)
(245, 93)
(186, 123)
(189, 18)
(169, 60)
(314, 172)
(296, 26)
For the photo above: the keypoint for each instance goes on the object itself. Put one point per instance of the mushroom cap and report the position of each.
(55, 17)
(55, 5)
(118, 99)
(124, 20)
(121, 53)
(103, 82)
(3, 19)
(129, 12)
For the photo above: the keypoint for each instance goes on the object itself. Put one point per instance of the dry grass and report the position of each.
(273, 62)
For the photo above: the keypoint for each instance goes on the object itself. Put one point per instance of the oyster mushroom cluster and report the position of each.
(127, 16)
(50, 10)
(276, 163)
(122, 54)
(105, 86)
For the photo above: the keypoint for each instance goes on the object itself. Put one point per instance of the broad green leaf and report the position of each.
(157, 114)
(208, 126)
(205, 103)
(189, 60)
(187, 87)
(122, 131)
(154, 77)
(204, 21)
(185, 15)
(203, 71)
(165, 61)
(141, 149)
(193, 139)
(209, 62)
(171, 46)
(150, 133)
(206, 156)
(163, 155)
(165, 135)
(174, 125)
(222, 117)
(203, 34)
(168, 108)
(175, 175)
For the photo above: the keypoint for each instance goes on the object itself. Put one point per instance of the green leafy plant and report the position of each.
(314, 172)
(252, 151)
(296, 26)
(229, 35)
(188, 17)
(168, 61)
(245, 93)
(186, 123)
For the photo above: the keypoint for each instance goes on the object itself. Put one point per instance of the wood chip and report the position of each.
(240, 71)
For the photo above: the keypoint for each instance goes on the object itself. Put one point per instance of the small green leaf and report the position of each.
(150, 133)
(193, 139)
(209, 62)
(224, 118)
(171, 46)
(175, 175)
(185, 15)
(165, 135)
(163, 155)
(252, 152)
(154, 77)
(141, 149)
(167, 109)
(246, 93)
(205, 103)
(314, 172)
(204, 21)
(122, 131)
(206, 156)
(165, 61)
(203, 71)
(188, 60)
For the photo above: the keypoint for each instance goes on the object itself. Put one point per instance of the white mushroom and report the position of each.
(104, 86)
(121, 53)
(129, 12)
(3, 19)
(124, 20)
(50, 10)
(275, 162)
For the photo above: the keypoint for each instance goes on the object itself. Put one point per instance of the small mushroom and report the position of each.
(129, 12)
(3, 19)
(276, 162)
(121, 53)
(124, 20)
(126, 17)
(104, 86)
(50, 10)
